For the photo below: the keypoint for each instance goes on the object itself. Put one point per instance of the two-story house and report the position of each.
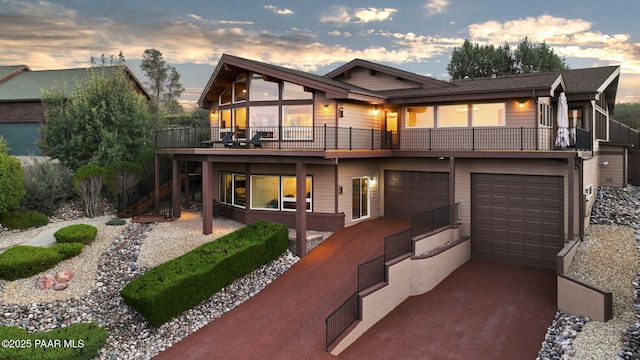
(368, 140)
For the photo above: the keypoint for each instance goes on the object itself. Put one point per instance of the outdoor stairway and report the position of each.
(140, 206)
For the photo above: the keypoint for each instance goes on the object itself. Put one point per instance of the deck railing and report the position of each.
(340, 138)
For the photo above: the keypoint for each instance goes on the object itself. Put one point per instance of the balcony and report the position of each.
(338, 138)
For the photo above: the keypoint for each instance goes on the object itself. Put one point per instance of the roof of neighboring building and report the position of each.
(27, 85)
(7, 72)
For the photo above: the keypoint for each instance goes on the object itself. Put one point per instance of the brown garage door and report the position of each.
(517, 218)
(410, 192)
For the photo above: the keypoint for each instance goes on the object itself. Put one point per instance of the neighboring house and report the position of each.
(368, 140)
(21, 108)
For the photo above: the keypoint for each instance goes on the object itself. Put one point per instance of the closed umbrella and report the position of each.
(562, 139)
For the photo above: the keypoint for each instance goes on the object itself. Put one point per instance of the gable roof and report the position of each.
(398, 73)
(26, 85)
(229, 67)
(578, 84)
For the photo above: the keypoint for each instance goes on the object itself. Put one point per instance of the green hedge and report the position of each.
(78, 233)
(79, 341)
(179, 284)
(23, 220)
(24, 261)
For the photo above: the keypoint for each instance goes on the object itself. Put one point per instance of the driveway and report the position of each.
(484, 310)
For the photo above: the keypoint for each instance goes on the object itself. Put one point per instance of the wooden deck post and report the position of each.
(207, 197)
(176, 188)
(301, 209)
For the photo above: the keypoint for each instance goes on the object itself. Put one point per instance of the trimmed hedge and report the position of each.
(179, 284)
(23, 220)
(79, 341)
(78, 233)
(24, 261)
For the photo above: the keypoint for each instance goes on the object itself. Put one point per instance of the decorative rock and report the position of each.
(60, 286)
(65, 275)
(44, 282)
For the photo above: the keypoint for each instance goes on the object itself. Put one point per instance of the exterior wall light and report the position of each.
(341, 111)
(326, 108)
(521, 105)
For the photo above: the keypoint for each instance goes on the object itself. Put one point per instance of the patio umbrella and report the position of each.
(562, 140)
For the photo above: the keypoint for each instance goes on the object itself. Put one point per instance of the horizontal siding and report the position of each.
(22, 112)
(611, 174)
(22, 138)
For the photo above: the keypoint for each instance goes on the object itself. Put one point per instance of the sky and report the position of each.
(315, 36)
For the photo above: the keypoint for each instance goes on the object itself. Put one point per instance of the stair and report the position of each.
(140, 206)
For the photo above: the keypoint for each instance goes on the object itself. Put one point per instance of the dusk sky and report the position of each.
(315, 36)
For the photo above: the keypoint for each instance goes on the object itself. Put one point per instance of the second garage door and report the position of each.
(517, 218)
(410, 192)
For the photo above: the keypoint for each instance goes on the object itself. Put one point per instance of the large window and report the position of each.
(298, 122)
(420, 117)
(545, 112)
(240, 89)
(233, 189)
(295, 92)
(489, 114)
(261, 90)
(269, 192)
(453, 116)
(265, 118)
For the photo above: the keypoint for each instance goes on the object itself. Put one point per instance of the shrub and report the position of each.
(80, 341)
(116, 222)
(78, 233)
(47, 185)
(23, 220)
(179, 284)
(87, 182)
(24, 261)
(11, 188)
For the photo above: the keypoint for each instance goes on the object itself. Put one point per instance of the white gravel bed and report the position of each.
(608, 259)
(84, 265)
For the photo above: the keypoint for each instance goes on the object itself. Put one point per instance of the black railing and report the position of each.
(337, 138)
(371, 273)
(154, 206)
(398, 244)
(430, 220)
(621, 133)
(340, 320)
(142, 189)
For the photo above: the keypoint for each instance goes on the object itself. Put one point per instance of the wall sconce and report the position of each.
(339, 189)
(521, 105)
(376, 111)
(326, 108)
(373, 181)
(341, 111)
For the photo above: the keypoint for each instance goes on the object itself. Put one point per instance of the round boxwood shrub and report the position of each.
(80, 233)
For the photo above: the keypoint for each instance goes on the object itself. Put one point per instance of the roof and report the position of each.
(229, 67)
(26, 85)
(580, 83)
(7, 72)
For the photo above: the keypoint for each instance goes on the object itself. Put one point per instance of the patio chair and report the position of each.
(225, 140)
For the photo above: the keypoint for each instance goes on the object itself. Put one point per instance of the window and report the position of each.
(289, 200)
(240, 122)
(261, 90)
(264, 118)
(277, 192)
(265, 192)
(297, 121)
(225, 119)
(419, 117)
(240, 89)
(233, 189)
(545, 114)
(453, 116)
(225, 97)
(360, 198)
(295, 92)
(489, 114)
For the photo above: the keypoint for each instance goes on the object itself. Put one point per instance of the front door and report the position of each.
(390, 131)
(360, 198)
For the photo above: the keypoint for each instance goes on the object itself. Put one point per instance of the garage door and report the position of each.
(410, 192)
(21, 137)
(517, 218)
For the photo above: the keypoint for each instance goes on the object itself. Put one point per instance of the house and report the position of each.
(21, 108)
(367, 140)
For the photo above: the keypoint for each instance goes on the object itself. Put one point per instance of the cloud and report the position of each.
(343, 15)
(436, 6)
(278, 11)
